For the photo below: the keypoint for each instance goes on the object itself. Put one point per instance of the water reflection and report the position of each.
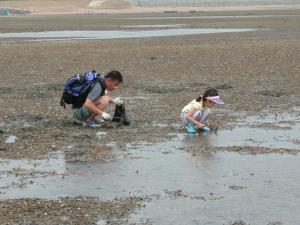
(117, 34)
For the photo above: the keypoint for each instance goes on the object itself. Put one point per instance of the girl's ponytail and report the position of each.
(199, 99)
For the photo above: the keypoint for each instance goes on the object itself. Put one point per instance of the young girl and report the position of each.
(195, 113)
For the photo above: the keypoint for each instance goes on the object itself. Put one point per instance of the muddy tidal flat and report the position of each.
(55, 171)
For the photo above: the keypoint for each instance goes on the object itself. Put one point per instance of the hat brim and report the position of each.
(217, 101)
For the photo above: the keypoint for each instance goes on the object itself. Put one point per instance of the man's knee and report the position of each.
(103, 101)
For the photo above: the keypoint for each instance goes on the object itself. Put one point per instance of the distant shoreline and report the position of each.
(73, 9)
(201, 8)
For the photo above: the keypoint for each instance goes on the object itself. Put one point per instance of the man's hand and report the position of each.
(118, 101)
(106, 116)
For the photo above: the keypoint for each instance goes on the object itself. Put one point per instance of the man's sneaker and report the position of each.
(90, 123)
(98, 121)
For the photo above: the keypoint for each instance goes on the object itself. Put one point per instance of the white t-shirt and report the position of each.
(200, 113)
(192, 105)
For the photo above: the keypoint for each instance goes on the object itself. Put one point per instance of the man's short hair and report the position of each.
(114, 75)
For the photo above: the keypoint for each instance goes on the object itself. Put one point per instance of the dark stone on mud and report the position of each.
(271, 93)
(152, 57)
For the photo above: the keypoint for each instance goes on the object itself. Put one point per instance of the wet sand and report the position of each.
(257, 73)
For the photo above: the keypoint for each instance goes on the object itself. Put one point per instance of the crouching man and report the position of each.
(97, 100)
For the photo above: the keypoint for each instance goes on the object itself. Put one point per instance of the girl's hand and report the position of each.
(199, 125)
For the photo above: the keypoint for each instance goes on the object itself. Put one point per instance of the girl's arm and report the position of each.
(192, 119)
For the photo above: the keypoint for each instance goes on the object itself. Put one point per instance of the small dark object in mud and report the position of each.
(271, 93)
(170, 11)
(237, 187)
(238, 222)
(275, 223)
(152, 57)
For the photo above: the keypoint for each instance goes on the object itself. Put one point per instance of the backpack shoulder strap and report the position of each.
(101, 82)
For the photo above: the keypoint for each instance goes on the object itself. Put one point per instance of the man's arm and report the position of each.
(93, 95)
(92, 107)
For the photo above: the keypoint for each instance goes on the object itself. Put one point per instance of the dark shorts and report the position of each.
(81, 113)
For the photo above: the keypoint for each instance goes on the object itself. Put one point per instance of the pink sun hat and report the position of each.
(215, 99)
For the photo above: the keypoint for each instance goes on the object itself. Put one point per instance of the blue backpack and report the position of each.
(77, 88)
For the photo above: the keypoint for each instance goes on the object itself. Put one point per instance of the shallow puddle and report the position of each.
(273, 131)
(181, 188)
(11, 139)
(115, 34)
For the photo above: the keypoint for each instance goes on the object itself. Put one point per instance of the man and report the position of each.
(97, 99)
